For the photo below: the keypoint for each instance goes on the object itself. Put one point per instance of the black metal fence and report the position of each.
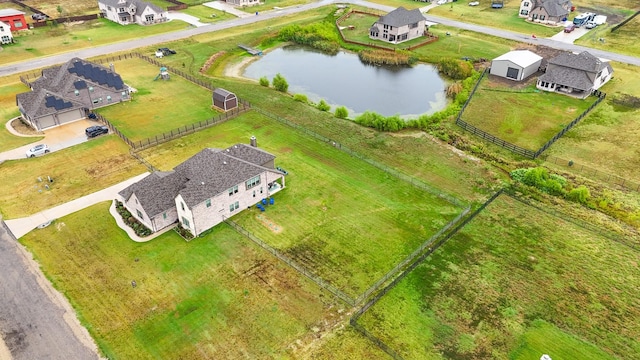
(301, 269)
(495, 140)
(625, 21)
(594, 173)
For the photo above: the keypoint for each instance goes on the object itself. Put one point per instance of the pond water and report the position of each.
(343, 80)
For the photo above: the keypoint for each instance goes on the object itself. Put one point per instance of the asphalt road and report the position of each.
(32, 325)
(265, 17)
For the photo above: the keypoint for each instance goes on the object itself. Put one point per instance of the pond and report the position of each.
(343, 80)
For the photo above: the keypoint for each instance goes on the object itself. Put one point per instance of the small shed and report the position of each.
(224, 99)
(516, 65)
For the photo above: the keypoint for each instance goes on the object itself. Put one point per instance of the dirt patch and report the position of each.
(235, 70)
(20, 127)
(269, 224)
(211, 60)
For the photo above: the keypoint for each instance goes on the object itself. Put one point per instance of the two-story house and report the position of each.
(5, 33)
(550, 12)
(575, 74)
(65, 93)
(126, 12)
(398, 26)
(201, 192)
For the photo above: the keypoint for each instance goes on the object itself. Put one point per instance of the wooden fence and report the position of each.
(592, 173)
(65, 20)
(625, 21)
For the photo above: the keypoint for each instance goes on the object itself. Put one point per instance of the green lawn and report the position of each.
(158, 106)
(206, 14)
(521, 115)
(352, 222)
(77, 171)
(9, 110)
(31, 44)
(216, 297)
(623, 40)
(271, 4)
(461, 43)
(483, 294)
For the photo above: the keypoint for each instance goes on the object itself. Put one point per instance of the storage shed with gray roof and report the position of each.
(575, 74)
(205, 189)
(65, 93)
(224, 100)
(398, 26)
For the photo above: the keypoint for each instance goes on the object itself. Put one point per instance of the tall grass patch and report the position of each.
(512, 281)
(9, 110)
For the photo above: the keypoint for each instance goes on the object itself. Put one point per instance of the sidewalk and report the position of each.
(222, 6)
(175, 15)
(20, 227)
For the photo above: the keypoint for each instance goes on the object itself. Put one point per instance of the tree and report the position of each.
(280, 83)
(60, 10)
(323, 106)
(264, 81)
(342, 112)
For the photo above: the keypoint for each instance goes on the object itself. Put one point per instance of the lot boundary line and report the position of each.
(591, 172)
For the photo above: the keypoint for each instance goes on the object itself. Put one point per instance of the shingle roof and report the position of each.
(574, 78)
(554, 8)
(221, 94)
(401, 17)
(573, 70)
(10, 12)
(203, 176)
(582, 61)
(140, 5)
(522, 58)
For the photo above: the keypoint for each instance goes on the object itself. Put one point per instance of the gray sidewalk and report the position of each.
(19, 227)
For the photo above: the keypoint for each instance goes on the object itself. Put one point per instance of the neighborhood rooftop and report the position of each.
(401, 17)
(582, 61)
(139, 4)
(9, 12)
(520, 57)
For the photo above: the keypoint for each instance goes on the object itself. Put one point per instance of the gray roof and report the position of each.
(203, 176)
(10, 12)
(554, 8)
(140, 5)
(401, 17)
(573, 70)
(221, 94)
(60, 80)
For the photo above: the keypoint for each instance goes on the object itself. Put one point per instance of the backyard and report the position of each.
(217, 296)
(520, 113)
(9, 110)
(157, 106)
(509, 285)
(337, 200)
(76, 171)
(360, 32)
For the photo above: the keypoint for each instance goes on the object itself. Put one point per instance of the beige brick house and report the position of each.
(398, 26)
(201, 192)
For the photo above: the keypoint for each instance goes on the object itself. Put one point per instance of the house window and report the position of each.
(526, 4)
(6, 39)
(164, 215)
(254, 193)
(237, 205)
(234, 206)
(524, 12)
(185, 222)
(534, 16)
(384, 36)
(233, 190)
(149, 17)
(108, 98)
(139, 214)
(121, 10)
(95, 101)
(124, 94)
(413, 26)
(182, 205)
(123, 19)
(77, 93)
(17, 23)
(260, 190)
(599, 73)
(109, 8)
(208, 203)
(252, 182)
(541, 17)
(1, 28)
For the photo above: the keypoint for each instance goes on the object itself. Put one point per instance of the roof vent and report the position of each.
(224, 163)
(202, 183)
(227, 150)
(253, 141)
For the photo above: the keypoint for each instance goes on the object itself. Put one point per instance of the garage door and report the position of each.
(46, 122)
(512, 73)
(69, 116)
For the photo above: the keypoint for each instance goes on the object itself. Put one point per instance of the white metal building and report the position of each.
(516, 65)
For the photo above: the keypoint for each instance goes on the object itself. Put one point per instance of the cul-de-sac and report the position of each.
(320, 179)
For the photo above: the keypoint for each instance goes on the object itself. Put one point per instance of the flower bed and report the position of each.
(131, 221)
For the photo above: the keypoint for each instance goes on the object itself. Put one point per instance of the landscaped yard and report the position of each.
(519, 114)
(76, 171)
(9, 110)
(157, 106)
(69, 37)
(215, 297)
(510, 284)
(352, 222)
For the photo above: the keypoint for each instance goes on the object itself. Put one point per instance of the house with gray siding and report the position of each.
(204, 190)
(125, 12)
(575, 74)
(66, 93)
(548, 12)
(398, 26)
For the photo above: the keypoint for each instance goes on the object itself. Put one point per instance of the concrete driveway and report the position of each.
(174, 15)
(222, 6)
(56, 138)
(569, 38)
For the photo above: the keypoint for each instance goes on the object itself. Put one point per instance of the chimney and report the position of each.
(254, 141)
(112, 67)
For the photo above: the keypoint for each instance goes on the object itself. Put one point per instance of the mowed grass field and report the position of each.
(215, 297)
(63, 38)
(8, 110)
(157, 106)
(608, 139)
(341, 218)
(77, 171)
(623, 40)
(524, 116)
(516, 283)
(68, 7)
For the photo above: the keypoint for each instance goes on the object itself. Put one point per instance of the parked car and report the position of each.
(39, 17)
(38, 150)
(590, 24)
(570, 28)
(474, 3)
(167, 51)
(97, 130)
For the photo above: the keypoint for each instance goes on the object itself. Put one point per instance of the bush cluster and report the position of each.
(280, 83)
(264, 81)
(301, 98)
(552, 184)
(185, 233)
(341, 112)
(132, 222)
(381, 123)
(455, 68)
(323, 106)
(384, 57)
(321, 36)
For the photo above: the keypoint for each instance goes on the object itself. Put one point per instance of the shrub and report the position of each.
(301, 97)
(384, 57)
(379, 122)
(540, 178)
(580, 194)
(323, 106)
(322, 36)
(264, 81)
(455, 69)
(342, 112)
(139, 228)
(184, 232)
(454, 89)
(280, 83)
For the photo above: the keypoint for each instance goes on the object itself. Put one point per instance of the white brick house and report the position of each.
(5, 33)
(126, 12)
(575, 74)
(204, 190)
(398, 26)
